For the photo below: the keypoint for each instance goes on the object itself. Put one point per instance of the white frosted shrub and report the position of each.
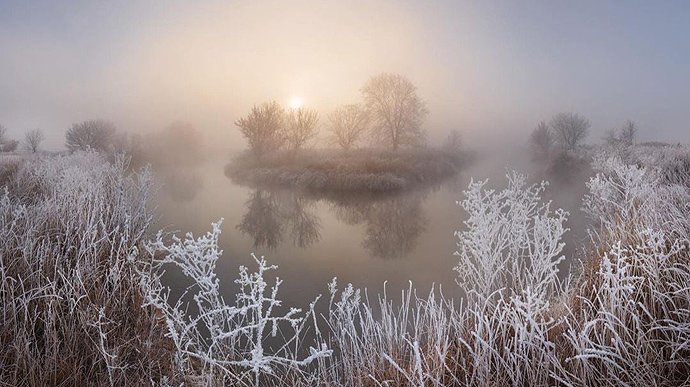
(79, 281)
(512, 241)
(228, 340)
(69, 305)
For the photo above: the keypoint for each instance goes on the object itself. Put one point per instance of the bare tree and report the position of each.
(97, 135)
(628, 133)
(569, 129)
(301, 127)
(396, 110)
(611, 137)
(541, 142)
(9, 146)
(623, 137)
(348, 123)
(264, 127)
(6, 144)
(33, 140)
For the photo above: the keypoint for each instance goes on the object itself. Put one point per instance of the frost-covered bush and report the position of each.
(631, 307)
(221, 341)
(630, 322)
(83, 296)
(512, 241)
(70, 308)
(626, 200)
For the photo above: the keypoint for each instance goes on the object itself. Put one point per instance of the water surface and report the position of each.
(363, 239)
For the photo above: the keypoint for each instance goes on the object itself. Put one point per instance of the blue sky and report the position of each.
(487, 68)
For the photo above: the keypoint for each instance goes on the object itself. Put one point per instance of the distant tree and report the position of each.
(624, 137)
(6, 144)
(569, 129)
(396, 110)
(611, 137)
(263, 127)
(541, 142)
(97, 135)
(33, 140)
(300, 127)
(9, 146)
(348, 123)
(628, 133)
(121, 143)
(453, 143)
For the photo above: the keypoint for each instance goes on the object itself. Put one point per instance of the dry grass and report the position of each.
(71, 305)
(72, 289)
(356, 170)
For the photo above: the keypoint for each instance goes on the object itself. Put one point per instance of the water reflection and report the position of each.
(270, 213)
(393, 227)
(391, 224)
(303, 222)
(262, 220)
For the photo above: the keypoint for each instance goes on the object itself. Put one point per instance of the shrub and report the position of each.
(71, 308)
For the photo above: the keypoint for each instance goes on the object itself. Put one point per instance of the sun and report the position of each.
(295, 102)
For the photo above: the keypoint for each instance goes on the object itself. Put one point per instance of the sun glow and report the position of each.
(295, 102)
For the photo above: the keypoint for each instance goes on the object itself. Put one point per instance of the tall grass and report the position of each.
(71, 305)
(83, 297)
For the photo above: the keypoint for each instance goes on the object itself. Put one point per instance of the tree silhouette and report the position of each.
(396, 110)
(33, 140)
(347, 124)
(264, 128)
(301, 127)
(96, 135)
(541, 141)
(569, 129)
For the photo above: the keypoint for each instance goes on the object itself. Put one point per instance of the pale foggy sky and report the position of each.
(490, 69)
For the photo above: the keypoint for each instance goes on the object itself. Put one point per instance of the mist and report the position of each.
(492, 71)
(365, 193)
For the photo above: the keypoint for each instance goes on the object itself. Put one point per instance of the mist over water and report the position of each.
(365, 239)
(499, 187)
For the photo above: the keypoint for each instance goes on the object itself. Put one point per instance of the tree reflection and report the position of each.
(262, 221)
(305, 227)
(269, 213)
(392, 225)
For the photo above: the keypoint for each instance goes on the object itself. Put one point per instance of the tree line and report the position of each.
(179, 142)
(391, 113)
(31, 142)
(566, 132)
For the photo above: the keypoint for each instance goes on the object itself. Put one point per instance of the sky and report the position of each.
(491, 69)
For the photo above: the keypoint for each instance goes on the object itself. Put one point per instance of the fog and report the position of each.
(372, 192)
(490, 70)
